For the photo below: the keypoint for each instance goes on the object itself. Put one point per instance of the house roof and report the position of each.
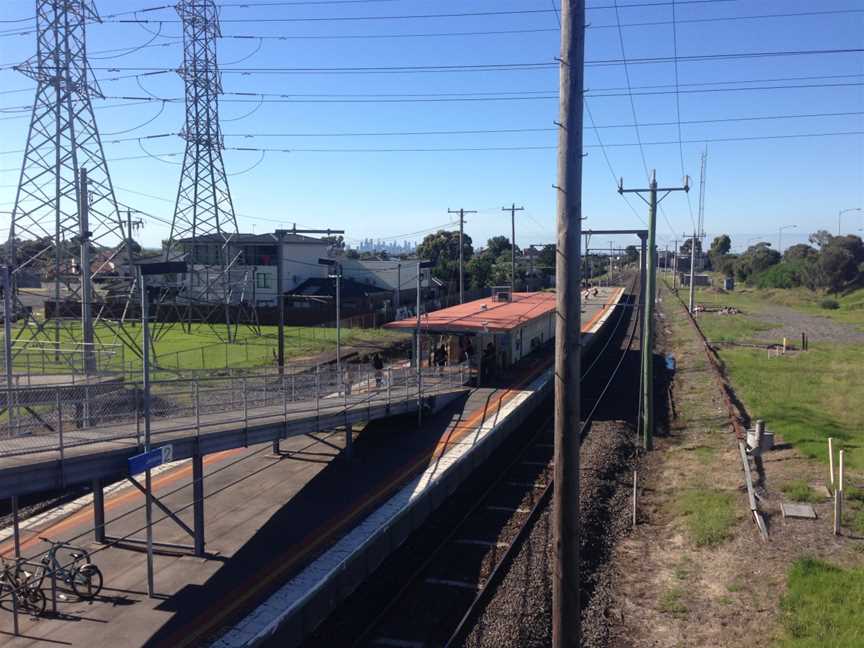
(254, 239)
(485, 314)
(326, 287)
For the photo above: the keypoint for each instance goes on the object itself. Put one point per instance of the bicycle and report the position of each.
(28, 594)
(81, 575)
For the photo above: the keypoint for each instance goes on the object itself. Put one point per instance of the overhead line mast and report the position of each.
(63, 175)
(204, 215)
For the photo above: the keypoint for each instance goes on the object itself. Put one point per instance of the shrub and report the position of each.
(829, 304)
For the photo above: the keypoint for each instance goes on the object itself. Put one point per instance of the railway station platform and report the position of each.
(281, 528)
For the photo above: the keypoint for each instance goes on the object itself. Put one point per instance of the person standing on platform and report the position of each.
(378, 365)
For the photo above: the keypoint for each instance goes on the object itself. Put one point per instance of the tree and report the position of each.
(631, 254)
(756, 260)
(839, 266)
(479, 271)
(685, 247)
(720, 247)
(445, 244)
(546, 260)
(442, 248)
(800, 252)
(820, 238)
(336, 241)
(840, 259)
(497, 245)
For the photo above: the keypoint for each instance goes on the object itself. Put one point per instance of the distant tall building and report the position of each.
(391, 247)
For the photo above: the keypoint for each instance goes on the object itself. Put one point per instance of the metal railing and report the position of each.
(58, 417)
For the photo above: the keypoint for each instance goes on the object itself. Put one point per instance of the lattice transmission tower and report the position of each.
(63, 150)
(204, 221)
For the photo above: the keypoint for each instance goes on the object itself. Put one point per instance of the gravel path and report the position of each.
(793, 322)
(519, 614)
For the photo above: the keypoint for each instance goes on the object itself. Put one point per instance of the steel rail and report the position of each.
(500, 568)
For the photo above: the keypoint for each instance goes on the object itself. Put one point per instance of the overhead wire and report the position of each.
(678, 111)
(597, 134)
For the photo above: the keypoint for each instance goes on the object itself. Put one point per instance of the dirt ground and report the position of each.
(790, 323)
(667, 590)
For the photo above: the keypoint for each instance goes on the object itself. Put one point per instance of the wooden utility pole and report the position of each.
(650, 296)
(566, 609)
(461, 213)
(512, 209)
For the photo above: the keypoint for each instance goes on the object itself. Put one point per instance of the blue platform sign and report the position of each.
(148, 460)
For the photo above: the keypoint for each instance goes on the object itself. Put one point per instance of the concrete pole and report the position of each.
(7, 343)
(86, 279)
(675, 266)
(567, 531)
(280, 302)
(148, 485)
(280, 350)
(648, 321)
(692, 274)
(609, 279)
(643, 300)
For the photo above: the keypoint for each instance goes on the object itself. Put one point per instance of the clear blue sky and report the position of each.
(753, 186)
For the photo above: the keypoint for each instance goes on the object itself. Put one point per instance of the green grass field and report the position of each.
(821, 607)
(202, 348)
(732, 328)
(805, 397)
(754, 300)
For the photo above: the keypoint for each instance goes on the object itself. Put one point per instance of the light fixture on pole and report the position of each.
(169, 267)
(421, 265)
(280, 289)
(780, 236)
(335, 272)
(840, 215)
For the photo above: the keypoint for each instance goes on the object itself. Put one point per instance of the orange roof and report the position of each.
(484, 314)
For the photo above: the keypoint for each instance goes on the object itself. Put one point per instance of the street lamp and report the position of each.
(780, 236)
(421, 265)
(145, 270)
(840, 215)
(336, 273)
(280, 360)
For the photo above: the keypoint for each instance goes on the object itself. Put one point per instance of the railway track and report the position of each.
(437, 603)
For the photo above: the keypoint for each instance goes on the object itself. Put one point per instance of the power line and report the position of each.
(609, 163)
(483, 67)
(678, 109)
(630, 89)
(481, 131)
(467, 14)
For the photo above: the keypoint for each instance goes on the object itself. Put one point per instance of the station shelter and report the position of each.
(491, 334)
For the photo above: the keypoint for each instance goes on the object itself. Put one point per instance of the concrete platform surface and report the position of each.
(267, 517)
